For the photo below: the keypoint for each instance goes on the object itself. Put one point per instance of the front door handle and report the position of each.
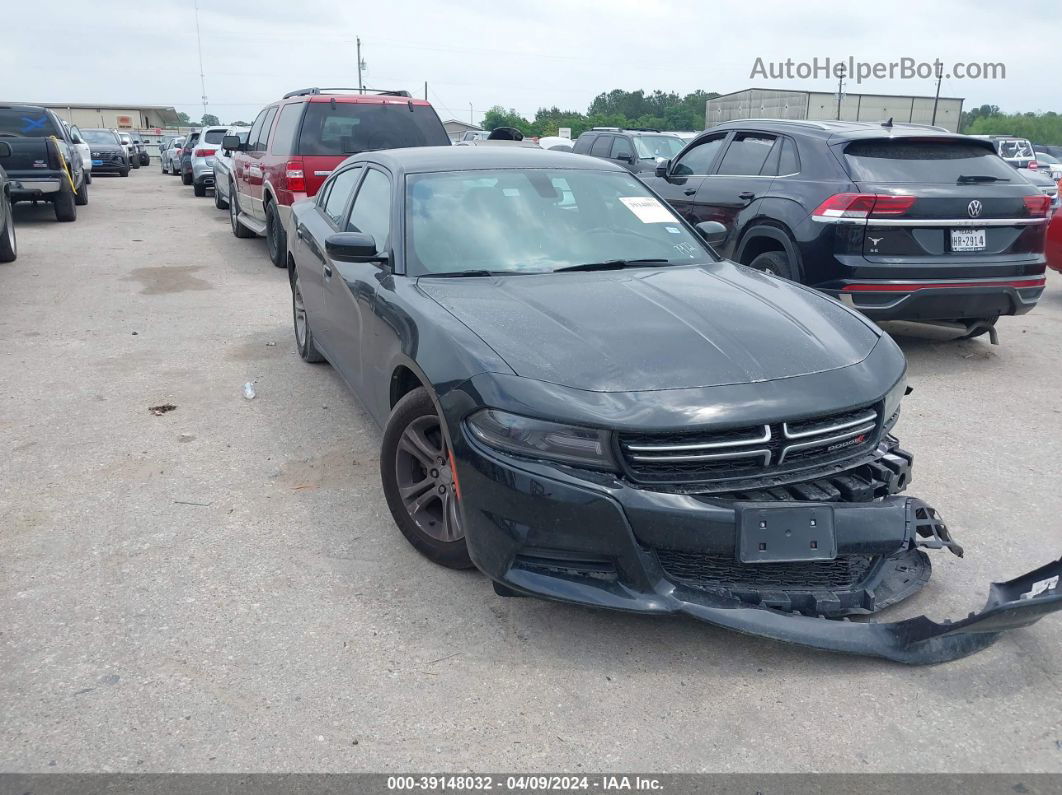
(747, 195)
(690, 191)
(327, 271)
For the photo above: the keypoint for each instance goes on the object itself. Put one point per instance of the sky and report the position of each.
(525, 54)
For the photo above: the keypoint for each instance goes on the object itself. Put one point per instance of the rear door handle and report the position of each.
(747, 195)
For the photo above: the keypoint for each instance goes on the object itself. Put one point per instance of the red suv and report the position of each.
(295, 143)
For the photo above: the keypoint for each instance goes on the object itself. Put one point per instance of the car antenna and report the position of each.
(887, 123)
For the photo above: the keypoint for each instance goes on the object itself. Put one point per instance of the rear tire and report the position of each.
(8, 246)
(124, 172)
(238, 229)
(199, 189)
(165, 168)
(81, 197)
(186, 178)
(424, 505)
(777, 263)
(276, 239)
(301, 318)
(134, 162)
(65, 204)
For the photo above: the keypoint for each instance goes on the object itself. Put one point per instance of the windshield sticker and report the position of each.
(673, 230)
(648, 209)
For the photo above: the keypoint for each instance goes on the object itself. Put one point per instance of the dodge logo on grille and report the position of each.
(974, 208)
(848, 443)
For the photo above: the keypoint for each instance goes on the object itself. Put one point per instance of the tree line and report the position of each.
(1040, 128)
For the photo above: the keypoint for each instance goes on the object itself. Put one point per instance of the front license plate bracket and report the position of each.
(773, 533)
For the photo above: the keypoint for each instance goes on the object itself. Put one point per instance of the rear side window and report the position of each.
(27, 122)
(583, 143)
(789, 162)
(346, 128)
(746, 154)
(287, 129)
(601, 146)
(926, 161)
(213, 136)
(339, 194)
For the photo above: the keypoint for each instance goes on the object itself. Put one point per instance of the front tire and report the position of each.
(238, 229)
(134, 162)
(124, 172)
(418, 483)
(776, 263)
(276, 239)
(8, 246)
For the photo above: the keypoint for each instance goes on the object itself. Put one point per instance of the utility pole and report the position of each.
(936, 97)
(425, 90)
(840, 89)
(361, 66)
(199, 45)
(470, 115)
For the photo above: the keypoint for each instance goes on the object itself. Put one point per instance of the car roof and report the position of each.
(834, 131)
(469, 158)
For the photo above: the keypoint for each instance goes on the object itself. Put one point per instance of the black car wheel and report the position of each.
(124, 172)
(775, 262)
(419, 484)
(303, 333)
(276, 239)
(134, 162)
(8, 247)
(199, 189)
(238, 229)
(65, 204)
(219, 200)
(186, 177)
(81, 197)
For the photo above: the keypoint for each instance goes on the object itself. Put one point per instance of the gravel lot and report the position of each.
(221, 588)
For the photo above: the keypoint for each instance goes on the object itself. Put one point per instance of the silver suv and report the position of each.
(203, 154)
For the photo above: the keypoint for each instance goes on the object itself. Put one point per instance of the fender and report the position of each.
(774, 233)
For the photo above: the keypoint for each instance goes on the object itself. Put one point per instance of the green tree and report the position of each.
(209, 120)
(1040, 128)
(239, 124)
(182, 119)
(498, 116)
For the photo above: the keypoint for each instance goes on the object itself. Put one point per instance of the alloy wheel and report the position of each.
(300, 314)
(425, 480)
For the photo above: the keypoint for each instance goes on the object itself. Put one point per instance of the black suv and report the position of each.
(902, 222)
(636, 149)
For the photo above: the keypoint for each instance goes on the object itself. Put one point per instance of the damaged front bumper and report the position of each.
(545, 531)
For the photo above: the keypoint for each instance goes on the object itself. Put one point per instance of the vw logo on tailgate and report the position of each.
(974, 208)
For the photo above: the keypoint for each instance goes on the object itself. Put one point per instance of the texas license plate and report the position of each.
(773, 533)
(967, 239)
(97, 162)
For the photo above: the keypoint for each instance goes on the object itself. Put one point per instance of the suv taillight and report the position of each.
(1038, 205)
(296, 180)
(205, 152)
(1033, 164)
(861, 206)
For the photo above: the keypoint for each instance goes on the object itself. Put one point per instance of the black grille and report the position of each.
(704, 456)
(724, 573)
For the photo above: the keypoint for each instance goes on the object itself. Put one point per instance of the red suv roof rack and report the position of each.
(315, 90)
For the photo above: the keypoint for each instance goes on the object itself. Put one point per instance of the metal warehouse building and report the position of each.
(773, 103)
(121, 117)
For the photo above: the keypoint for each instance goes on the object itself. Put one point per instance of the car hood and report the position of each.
(651, 329)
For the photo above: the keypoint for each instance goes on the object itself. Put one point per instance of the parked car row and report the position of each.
(575, 375)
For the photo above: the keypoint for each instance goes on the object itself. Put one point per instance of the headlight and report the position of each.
(511, 433)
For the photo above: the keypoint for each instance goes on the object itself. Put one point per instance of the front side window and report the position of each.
(340, 188)
(371, 212)
(698, 160)
(620, 147)
(263, 134)
(256, 127)
(538, 220)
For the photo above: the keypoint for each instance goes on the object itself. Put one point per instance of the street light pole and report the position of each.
(361, 65)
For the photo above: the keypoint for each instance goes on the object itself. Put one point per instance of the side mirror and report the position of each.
(663, 168)
(352, 247)
(5, 149)
(626, 157)
(713, 232)
(231, 142)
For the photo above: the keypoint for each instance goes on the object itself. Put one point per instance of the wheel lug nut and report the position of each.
(435, 473)
(442, 489)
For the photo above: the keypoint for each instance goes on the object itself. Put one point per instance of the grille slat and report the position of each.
(704, 456)
(725, 573)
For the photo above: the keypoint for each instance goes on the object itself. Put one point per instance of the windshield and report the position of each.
(925, 161)
(26, 122)
(1015, 149)
(346, 128)
(537, 220)
(99, 137)
(654, 146)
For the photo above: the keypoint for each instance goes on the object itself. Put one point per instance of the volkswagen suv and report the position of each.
(902, 222)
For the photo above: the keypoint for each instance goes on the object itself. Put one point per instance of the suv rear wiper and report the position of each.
(965, 179)
(612, 265)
